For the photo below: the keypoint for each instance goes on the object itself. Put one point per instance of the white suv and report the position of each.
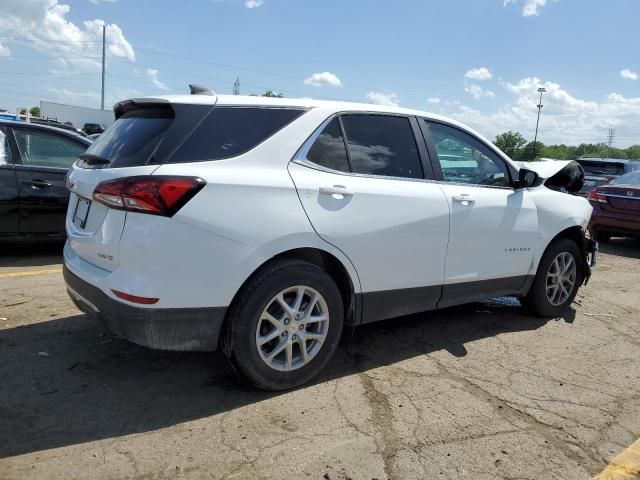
(264, 225)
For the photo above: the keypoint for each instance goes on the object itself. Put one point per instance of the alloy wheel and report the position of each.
(292, 328)
(561, 278)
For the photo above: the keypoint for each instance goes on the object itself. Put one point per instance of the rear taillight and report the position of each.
(595, 196)
(156, 195)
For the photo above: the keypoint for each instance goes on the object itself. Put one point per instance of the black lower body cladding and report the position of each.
(187, 329)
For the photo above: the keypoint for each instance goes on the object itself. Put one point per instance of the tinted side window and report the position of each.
(382, 145)
(231, 131)
(328, 150)
(464, 159)
(45, 149)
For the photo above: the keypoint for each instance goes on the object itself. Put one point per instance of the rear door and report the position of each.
(43, 162)
(9, 204)
(365, 184)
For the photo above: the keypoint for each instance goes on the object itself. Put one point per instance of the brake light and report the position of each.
(156, 195)
(595, 196)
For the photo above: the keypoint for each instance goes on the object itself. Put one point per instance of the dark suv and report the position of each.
(600, 171)
(34, 160)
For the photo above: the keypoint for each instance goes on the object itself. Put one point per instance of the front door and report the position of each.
(372, 201)
(9, 205)
(45, 158)
(493, 226)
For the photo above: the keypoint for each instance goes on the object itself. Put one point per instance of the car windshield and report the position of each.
(632, 178)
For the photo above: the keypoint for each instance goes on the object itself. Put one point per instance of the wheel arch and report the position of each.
(576, 234)
(327, 262)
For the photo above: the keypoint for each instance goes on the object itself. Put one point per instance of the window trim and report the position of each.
(424, 123)
(428, 175)
(17, 157)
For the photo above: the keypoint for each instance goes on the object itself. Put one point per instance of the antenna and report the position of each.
(236, 87)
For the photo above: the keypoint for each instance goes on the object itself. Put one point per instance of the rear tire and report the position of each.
(560, 274)
(279, 313)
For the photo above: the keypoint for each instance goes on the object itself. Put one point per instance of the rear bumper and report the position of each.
(614, 224)
(190, 329)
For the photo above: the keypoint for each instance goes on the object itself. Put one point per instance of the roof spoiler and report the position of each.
(200, 90)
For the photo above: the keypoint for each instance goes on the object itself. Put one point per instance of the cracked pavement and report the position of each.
(480, 392)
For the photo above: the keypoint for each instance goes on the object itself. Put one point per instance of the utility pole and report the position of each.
(610, 137)
(236, 87)
(535, 138)
(104, 36)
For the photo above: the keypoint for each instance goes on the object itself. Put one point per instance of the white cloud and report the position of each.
(629, 75)
(433, 100)
(44, 23)
(564, 119)
(477, 92)
(4, 50)
(530, 8)
(481, 73)
(152, 73)
(323, 78)
(388, 99)
(253, 3)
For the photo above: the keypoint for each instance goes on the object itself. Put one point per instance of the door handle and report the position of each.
(337, 191)
(464, 199)
(39, 184)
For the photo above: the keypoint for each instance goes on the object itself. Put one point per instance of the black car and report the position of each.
(600, 171)
(91, 128)
(34, 160)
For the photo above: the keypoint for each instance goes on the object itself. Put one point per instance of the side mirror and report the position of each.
(527, 178)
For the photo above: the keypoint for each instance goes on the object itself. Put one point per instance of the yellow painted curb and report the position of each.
(29, 273)
(625, 466)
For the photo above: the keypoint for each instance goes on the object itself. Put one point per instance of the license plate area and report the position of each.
(81, 212)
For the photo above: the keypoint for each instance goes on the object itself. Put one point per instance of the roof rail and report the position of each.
(200, 90)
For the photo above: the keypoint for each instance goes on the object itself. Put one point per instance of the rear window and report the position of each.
(131, 140)
(193, 133)
(632, 178)
(601, 168)
(230, 131)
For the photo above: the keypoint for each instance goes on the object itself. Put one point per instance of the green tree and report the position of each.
(271, 93)
(35, 111)
(633, 152)
(510, 143)
(23, 111)
(528, 154)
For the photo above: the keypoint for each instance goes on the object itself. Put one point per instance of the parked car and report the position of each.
(616, 208)
(262, 226)
(34, 160)
(600, 171)
(91, 128)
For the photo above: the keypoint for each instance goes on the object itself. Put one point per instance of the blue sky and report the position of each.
(479, 61)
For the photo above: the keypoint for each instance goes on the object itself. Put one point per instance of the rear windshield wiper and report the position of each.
(92, 159)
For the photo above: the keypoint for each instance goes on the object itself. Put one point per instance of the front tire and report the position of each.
(285, 325)
(559, 276)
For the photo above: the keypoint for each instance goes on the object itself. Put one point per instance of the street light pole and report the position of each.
(535, 138)
(104, 36)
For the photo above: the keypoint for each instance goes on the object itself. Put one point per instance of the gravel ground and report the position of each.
(478, 392)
